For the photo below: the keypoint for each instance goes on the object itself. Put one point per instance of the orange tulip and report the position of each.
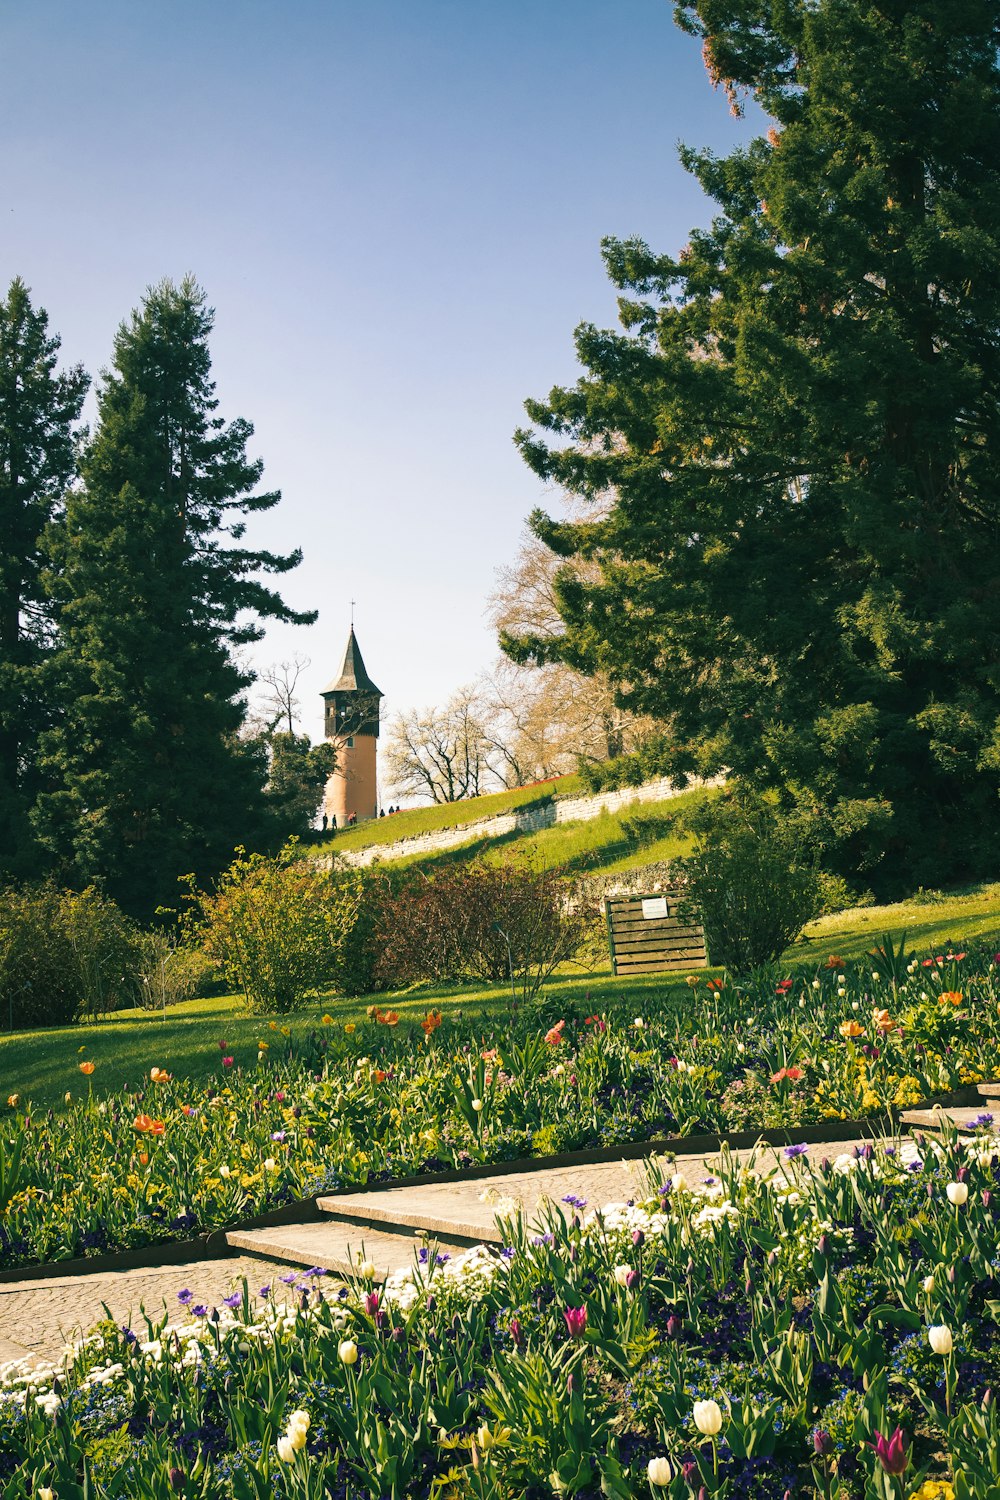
(144, 1158)
(792, 1074)
(380, 1077)
(883, 1021)
(159, 1075)
(148, 1126)
(951, 997)
(87, 1067)
(833, 962)
(389, 1017)
(851, 1028)
(431, 1022)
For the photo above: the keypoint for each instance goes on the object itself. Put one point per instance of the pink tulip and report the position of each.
(891, 1452)
(576, 1321)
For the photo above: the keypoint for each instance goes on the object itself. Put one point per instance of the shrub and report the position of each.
(480, 921)
(355, 901)
(170, 972)
(107, 951)
(837, 894)
(750, 882)
(269, 924)
(64, 954)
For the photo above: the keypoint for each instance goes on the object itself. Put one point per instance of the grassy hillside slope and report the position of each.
(416, 820)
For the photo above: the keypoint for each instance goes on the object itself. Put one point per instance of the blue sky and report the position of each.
(396, 210)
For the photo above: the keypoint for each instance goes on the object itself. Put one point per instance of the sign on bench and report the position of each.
(647, 935)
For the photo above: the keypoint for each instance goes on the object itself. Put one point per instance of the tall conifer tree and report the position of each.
(38, 410)
(155, 594)
(798, 432)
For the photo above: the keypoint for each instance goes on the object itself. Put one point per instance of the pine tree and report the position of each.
(798, 431)
(154, 778)
(38, 410)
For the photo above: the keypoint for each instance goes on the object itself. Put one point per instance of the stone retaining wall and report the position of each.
(530, 819)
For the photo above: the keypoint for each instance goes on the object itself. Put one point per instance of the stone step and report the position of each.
(989, 1090)
(403, 1212)
(336, 1247)
(963, 1119)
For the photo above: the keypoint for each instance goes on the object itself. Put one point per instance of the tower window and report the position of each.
(350, 742)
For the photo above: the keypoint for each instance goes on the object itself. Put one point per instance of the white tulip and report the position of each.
(817, 984)
(659, 1472)
(639, 1024)
(45, 1493)
(285, 1450)
(298, 1429)
(347, 1351)
(223, 1170)
(940, 1339)
(367, 1270)
(477, 1105)
(270, 1164)
(876, 977)
(707, 1417)
(958, 1193)
(621, 1275)
(928, 1284)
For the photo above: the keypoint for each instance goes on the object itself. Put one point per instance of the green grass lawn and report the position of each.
(416, 820)
(968, 915)
(43, 1065)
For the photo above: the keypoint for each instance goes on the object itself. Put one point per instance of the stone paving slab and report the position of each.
(334, 1246)
(964, 1119)
(467, 1210)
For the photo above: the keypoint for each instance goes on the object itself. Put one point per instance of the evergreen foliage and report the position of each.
(299, 772)
(155, 593)
(793, 443)
(38, 410)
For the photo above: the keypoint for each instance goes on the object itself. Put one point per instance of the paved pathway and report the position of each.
(38, 1316)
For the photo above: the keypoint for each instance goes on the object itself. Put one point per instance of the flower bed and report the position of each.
(383, 1099)
(828, 1331)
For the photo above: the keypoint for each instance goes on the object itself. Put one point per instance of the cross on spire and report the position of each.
(353, 603)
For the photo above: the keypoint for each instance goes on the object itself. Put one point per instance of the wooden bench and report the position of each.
(647, 935)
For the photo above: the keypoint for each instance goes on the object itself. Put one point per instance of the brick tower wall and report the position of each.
(353, 787)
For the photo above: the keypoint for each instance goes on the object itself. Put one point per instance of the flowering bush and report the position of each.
(824, 1331)
(281, 928)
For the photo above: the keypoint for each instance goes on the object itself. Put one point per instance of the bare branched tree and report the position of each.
(279, 703)
(547, 718)
(441, 753)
